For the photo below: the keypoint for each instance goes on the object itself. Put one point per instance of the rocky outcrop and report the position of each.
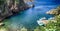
(54, 11)
(11, 7)
(2, 24)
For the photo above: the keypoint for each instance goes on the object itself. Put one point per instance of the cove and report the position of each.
(28, 18)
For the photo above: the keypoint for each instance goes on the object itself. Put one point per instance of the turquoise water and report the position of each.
(28, 18)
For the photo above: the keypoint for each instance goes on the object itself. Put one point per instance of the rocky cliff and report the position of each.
(10, 7)
(54, 11)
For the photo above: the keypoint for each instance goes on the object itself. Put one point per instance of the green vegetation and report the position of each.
(1, 2)
(53, 25)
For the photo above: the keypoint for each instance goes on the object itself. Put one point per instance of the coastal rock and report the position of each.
(1, 24)
(32, 6)
(11, 7)
(51, 18)
(42, 21)
(53, 11)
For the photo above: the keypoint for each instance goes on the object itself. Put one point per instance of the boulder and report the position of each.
(53, 12)
(2, 24)
(10, 8)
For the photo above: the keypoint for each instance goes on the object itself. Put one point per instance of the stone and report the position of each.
(7, 9)
(2, 24)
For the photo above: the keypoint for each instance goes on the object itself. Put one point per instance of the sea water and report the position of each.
(28, 18)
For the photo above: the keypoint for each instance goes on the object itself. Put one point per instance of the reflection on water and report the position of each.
(28, 18)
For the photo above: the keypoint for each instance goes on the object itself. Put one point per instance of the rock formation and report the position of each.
(10, 7)
(54, 11)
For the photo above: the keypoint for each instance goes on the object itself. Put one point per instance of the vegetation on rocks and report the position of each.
(53, 25)
(8, 8)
